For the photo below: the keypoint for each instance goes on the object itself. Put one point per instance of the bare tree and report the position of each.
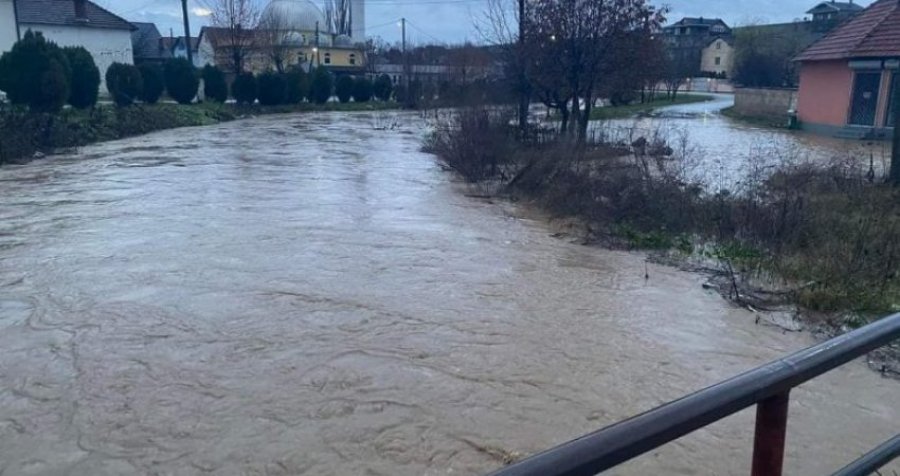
(466, 62)
(274, 38)
(584, 38)
(237, 20)
(502, 25)
(676, 70)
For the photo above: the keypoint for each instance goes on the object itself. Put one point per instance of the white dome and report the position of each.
(294, 15)
(343, 40)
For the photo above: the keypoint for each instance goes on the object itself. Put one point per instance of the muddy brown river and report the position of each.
(310, 294)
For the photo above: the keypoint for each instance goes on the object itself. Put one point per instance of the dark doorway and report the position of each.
(865, 99)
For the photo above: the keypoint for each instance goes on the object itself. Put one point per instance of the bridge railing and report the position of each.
(768, 387)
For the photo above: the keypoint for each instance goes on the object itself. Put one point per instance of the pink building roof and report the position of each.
(875, 32)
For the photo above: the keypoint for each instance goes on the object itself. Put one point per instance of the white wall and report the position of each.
(105, 45)
(7, 26)
(718, 49)
(206, 54)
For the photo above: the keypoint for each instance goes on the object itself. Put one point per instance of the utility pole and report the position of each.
(403, 50)
(187, 31)
(523, 80)
(318, 62)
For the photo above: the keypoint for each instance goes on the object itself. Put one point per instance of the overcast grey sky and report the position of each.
(451, 21)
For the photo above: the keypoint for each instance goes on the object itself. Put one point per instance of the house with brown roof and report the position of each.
(148, 44)
(847, 78)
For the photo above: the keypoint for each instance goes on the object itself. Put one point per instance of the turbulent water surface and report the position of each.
(310, 294)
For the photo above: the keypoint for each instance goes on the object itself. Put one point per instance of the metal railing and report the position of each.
(768, 387)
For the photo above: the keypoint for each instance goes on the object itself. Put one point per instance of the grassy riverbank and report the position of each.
(22, 133)
(821, 236)
(618, 112)
(772, 122)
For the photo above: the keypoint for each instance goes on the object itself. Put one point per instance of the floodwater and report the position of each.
(310, 294)
(724, 151)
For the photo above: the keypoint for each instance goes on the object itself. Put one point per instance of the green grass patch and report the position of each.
(759, 121)
(618, 112)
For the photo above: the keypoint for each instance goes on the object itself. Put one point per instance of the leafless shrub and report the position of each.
(476, 142)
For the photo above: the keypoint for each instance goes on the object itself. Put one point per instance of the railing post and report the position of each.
(771, 429)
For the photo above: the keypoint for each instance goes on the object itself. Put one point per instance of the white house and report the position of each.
(72, 23)
(8, 28)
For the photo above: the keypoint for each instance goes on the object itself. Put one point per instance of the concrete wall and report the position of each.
(824, 95)
(707, 85)
(7, 26)
(764, 102)
(105, 45)
(724, 52)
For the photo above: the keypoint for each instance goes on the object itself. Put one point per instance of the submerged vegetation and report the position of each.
(823, 235)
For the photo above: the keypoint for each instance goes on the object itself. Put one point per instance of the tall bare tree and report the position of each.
(585, 37)
(237, 20)
(502, 25)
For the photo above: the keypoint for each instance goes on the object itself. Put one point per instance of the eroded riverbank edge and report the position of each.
(770, 302)
(29, 136)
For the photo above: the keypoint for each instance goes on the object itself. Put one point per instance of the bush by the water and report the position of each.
(54, 89)
(244, 88)
(124, 83)
(85, 83)
(383, 88)
(321, 87)
(271, 89)
(214, 86)
(827, 232)
(36, 72)
(152, 78)
(297, 87)
(343, 88)
(362, 89)
(181, 78)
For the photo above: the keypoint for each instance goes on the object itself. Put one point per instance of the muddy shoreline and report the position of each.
(772, 303)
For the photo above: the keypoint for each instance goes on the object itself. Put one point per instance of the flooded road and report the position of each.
(308, 294)
(725, 150)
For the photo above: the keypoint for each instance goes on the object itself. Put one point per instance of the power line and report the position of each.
(420, 30)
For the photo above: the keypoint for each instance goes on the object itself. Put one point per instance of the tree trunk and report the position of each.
(894, 176)
(584, 119)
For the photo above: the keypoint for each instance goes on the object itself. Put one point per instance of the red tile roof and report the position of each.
(873, 33)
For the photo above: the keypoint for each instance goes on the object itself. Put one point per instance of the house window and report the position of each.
(301, 58)
(352, 58)
(718, 61)
(327, 58)
(718, 45)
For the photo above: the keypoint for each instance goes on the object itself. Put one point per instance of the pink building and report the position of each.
(847, 78)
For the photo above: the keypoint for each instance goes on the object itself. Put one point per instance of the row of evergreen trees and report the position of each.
(45, 77)
(317, 87)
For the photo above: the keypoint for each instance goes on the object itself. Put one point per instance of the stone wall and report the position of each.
(765, 102)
